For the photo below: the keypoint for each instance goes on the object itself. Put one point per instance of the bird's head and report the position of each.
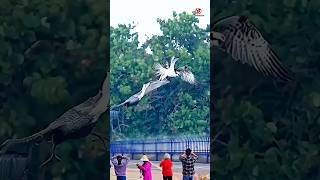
(216, 38)
(177, 71)
(184, 68)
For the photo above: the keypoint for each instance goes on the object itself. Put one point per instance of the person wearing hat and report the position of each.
(145, 168)
(120, 166)
(166, 165)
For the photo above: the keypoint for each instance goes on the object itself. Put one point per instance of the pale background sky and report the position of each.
(145, 13)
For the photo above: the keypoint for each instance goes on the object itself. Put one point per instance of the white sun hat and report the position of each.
(144, 158)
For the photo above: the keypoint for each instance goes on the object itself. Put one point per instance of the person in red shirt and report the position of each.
(166, 165)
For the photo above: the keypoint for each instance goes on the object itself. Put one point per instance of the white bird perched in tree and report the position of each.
(164, 72)
(237, 36)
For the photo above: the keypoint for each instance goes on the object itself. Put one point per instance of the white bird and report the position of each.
(237, 36)
(165, 72)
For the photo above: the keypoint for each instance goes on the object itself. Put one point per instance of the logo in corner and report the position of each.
(198, 12)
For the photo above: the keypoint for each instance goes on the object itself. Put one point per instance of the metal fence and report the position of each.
(199, 145)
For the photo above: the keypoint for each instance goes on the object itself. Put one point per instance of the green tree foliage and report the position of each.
(66, 66)
(267, 129)
(177, 108)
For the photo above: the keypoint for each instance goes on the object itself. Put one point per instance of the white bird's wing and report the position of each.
(187, 76)
(160, 71)
(173, 62)
(244, 43)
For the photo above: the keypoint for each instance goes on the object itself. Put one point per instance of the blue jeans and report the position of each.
(187, 177)
(121, 178)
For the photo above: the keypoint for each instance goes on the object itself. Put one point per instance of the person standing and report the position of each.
(188, 159)
(120, 166)
(166, 165)
(146, 168)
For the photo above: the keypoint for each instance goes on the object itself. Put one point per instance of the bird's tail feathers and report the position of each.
(158, 67)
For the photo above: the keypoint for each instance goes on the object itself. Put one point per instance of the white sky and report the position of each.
(145, 13)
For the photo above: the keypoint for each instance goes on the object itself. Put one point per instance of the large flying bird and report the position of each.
(164, 72)
(146, 89)
(237, 36)
(75, 123)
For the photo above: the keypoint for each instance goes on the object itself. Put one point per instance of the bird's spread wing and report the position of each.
(187, 76)
(155, 85)
(246, 44)
(89, 103)
(159, 69)
(143, 90)
(106, 85)
(173, 62)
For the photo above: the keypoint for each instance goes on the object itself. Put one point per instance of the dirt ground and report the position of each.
(202, 171)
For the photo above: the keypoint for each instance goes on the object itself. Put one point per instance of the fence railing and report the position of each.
(199, 145)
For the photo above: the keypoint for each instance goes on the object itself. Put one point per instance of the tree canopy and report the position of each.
(176, 108)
